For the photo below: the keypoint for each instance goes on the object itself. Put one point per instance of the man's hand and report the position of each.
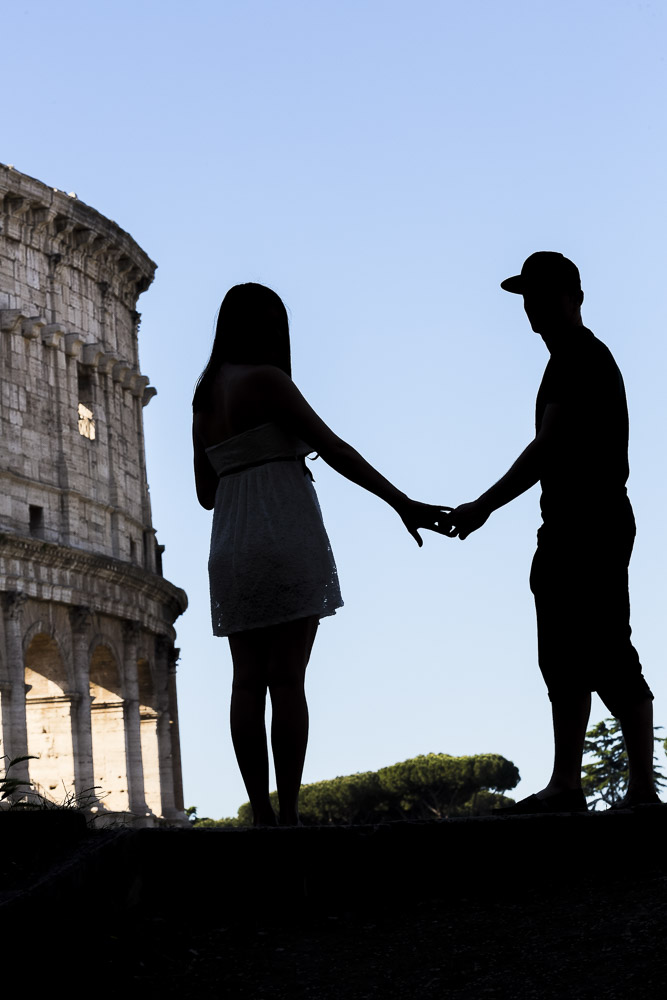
(468, 517)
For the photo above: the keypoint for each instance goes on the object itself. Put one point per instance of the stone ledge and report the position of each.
(224, 872)
(73, 222)
(68, 561)
(58, 337)
(484, 923)
(339, 865)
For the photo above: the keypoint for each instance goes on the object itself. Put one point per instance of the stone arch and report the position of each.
(107, 720)
(48, 717)
(45, 627)
(105, 676)
(148, 696)
(4, 673)
(100, 639)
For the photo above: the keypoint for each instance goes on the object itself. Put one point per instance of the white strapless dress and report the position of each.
(270, 559)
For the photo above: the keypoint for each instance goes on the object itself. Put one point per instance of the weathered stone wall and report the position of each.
(87, 655)
(69, 280)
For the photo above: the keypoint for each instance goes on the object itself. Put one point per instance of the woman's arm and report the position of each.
(206, 479)
(287, 406)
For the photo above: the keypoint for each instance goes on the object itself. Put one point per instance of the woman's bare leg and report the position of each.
(290, 651)
(250, 657)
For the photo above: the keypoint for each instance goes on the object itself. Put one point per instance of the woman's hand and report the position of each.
(424, 515)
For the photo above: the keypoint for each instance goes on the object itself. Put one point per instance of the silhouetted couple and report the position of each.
(272, 572)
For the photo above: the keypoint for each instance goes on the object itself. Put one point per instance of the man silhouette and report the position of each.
(579, 576)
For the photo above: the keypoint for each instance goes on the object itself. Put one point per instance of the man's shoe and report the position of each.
(572, 800)
(628, 803)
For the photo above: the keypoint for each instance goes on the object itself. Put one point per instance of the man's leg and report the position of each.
(637, 725)
(570, 720)
(561, 661)
(623, 688)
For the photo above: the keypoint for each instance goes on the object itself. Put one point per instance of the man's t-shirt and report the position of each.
(584, 475)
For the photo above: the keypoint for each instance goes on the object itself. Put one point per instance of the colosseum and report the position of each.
(87, 657)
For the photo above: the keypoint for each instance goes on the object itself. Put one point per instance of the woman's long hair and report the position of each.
(252, 329)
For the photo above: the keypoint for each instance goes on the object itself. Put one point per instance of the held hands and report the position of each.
(424, 515)
(453, 522)
(466, 518)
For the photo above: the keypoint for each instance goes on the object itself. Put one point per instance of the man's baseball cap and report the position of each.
(544, 269)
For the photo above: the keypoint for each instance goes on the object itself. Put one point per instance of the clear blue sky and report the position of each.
(382, 166)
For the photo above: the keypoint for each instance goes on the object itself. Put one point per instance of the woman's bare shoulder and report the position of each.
(263, 374)
(242, 397)
(245, 376)
(265, 383)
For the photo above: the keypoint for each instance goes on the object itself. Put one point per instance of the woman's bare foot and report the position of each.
(265, 817)
(289, 817)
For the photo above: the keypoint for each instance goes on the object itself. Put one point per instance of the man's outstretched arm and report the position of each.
(523, 474)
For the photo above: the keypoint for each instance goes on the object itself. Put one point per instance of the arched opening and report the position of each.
(49, 720)
(148, 710)
(107, 723)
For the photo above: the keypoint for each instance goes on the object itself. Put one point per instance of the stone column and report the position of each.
(84, 773)
(14, 724)
(5, 699)
(135, 768)
(175, 733)
(5, 718)
(164, 651)
(149, 752)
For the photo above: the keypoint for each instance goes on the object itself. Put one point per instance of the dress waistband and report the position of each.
(267, 461)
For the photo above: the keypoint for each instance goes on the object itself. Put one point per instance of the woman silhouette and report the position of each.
(271, 569)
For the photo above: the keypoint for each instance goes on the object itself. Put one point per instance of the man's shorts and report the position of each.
(580, 585)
